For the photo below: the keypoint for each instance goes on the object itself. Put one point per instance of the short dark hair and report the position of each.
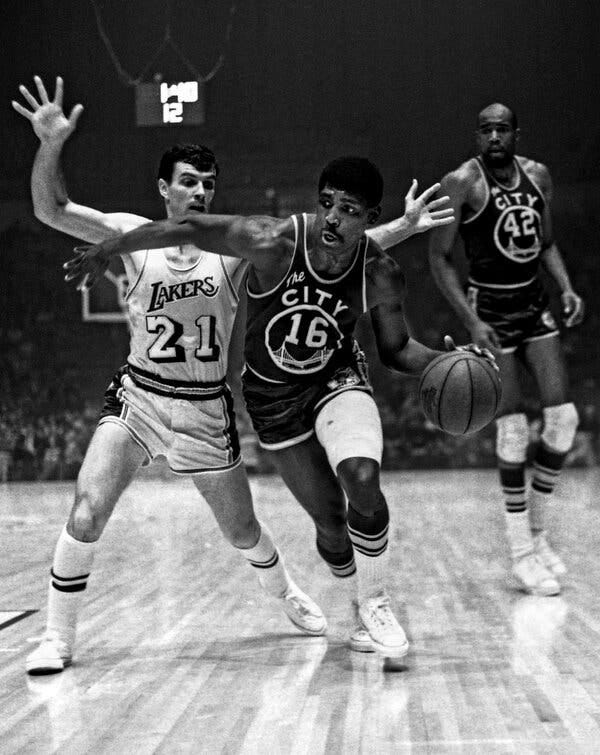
(357, 176)
(201, 157)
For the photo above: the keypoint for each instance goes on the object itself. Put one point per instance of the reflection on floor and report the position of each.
(179, 651)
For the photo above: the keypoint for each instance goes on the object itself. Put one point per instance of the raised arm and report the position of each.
(421, 214)
(552, 259)
(51, 203)
(442, 243)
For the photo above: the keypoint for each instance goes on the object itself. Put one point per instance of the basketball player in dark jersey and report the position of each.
(305, 382)
(502, 211)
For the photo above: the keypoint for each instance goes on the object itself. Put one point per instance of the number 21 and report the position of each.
(165, 348)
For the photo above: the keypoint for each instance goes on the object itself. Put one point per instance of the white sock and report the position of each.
(518, 532)
(70, 571)
(268, 562)
(538, 503)
(371, 572)
(369, 536)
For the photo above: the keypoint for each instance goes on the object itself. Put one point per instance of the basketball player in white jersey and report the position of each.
(171, 398)
(306, 384)
(502, 205)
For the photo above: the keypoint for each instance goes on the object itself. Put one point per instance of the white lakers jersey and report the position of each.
(181, 319)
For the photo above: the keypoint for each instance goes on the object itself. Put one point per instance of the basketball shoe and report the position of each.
(547, 556)
(387, 636)
(533, 577)
(302, 611)
(50, 657)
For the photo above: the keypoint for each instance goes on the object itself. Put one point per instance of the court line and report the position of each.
(14, 619)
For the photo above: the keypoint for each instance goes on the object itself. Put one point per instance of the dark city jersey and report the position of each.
(302, 328)
(503, 240)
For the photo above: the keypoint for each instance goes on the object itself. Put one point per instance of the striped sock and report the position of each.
(69, 575)
(369, 536)
(512, 480)
(268, 562)
(547, 466)
(342, 564)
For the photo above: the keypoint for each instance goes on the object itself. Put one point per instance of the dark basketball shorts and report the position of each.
(518, 315)
(283, 414)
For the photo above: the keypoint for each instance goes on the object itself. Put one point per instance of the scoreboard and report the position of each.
(163, 104)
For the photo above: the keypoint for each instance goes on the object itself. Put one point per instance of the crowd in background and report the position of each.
(46, 422)
(54, 367)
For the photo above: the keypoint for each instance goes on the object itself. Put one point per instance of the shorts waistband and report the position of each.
(180, 389)
(501, 286)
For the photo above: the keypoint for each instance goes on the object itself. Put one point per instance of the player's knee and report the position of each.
(360, 478)
(360, 472)
(560, 426)
(88, 517)
(512, 438)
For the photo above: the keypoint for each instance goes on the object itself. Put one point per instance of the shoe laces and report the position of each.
(299, 603)
(381, 612)
(543, 546)
(537, 568)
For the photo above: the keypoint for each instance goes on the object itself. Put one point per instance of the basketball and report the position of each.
(459, 392)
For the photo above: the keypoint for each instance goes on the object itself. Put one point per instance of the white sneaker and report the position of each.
(387, 636)
(360, 640)
(50, 657)
(302, 611)
(533, 577)
(547, 556)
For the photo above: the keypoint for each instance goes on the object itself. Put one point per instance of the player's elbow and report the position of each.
(48, 215)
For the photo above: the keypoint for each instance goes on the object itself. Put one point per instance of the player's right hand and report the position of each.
(49, 122)
(86, 267)
(485, 336)
(474, 348)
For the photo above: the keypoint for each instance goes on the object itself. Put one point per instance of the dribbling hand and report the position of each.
(473, 348)
(485, 336)
(86, 267)
(573, 308)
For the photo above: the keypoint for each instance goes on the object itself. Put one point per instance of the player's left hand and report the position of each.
(424, 213)
(572, 308)
(473, 348)
(86, 267)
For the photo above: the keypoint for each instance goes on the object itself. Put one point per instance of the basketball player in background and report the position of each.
(501, 202)
(171, 398)
(305, 381)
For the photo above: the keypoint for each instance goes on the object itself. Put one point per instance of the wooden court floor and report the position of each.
(179, 652)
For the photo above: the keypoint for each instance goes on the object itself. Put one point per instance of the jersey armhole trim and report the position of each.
(364, 276)
(133, 286)
(487, 195)
(531, 179)
(234, 293)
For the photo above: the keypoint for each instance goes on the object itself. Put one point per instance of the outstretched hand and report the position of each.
(424, 213)
(86, 267)
(473, 348)
(49, 122)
